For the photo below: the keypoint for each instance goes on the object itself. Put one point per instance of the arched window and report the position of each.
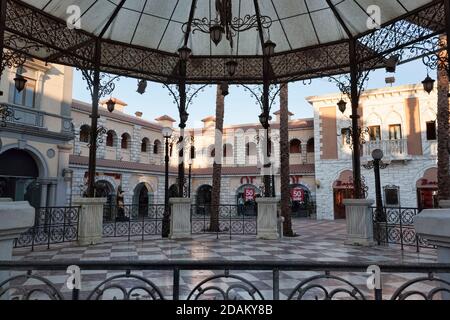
(250, 149)
(156, 146)
(111, 138)
(295, 146)
(144, 145)
(125, 141)
(192, 152)
(310, 146)
(85, 132)
(227, 150)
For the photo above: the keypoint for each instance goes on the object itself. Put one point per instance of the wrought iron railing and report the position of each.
(132, 221)
(395, 225)
(226, 280)
(231, 220)
(52, 225)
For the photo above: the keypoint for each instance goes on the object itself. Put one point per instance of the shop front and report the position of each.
(246, 199)
(342, 189)
(427, 190)
(301, 205)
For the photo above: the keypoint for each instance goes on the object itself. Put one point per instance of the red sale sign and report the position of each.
(297, 194)
(249, 194)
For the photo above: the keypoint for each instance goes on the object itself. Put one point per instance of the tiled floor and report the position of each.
(321, 241)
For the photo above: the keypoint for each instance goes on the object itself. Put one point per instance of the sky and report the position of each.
(240, 106)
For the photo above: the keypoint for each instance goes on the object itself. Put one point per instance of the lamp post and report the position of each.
(167, 133)
(377, 164)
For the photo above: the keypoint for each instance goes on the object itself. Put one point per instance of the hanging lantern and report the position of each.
(20, 82)
(110, 105)
(269, 48)
(428, 84)
(391, 64)
(216, 32)
(342, 105)
(224, 88)
(231, 67)
(142, 86)
(185, 53)
(263, 119)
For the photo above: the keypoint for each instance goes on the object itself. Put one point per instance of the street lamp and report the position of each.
(167, 133)
(377, 164)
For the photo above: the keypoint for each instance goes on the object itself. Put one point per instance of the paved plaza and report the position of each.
(320, 241)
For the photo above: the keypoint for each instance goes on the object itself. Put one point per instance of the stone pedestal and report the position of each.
(90, 227)
(267, 218)
(434, 226)
(180, 218)
(15, 219)
(359, 222)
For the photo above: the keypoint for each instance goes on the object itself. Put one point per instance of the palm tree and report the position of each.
(443, 131)
(217, 166)
(284, 161)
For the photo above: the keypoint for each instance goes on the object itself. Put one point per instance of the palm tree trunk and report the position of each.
(443, 132)
(217, 166)
(284, 162)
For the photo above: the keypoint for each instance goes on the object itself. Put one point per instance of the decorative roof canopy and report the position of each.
(141, 38)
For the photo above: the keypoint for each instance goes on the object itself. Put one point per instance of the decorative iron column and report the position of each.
(2, 31)
(183, 118)
(94, 121)
(354, 96)
(166, 217)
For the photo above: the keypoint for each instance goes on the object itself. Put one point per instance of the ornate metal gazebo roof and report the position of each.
(141, 38)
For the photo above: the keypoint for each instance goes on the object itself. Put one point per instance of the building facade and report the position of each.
(401, 121)
(45, 148)
(36, 134)
(131, 156)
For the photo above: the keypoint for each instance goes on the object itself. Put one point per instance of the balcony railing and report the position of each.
(25, 116)
(226, 280)
(392, 149)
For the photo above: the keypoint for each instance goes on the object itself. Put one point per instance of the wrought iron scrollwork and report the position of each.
(408, 290)
(43, 289)
(21, 49)
(142, 289)
(101, 132)
(6, 115)
(363, 132)
(244, 289)
(312, 288)
(107, 82)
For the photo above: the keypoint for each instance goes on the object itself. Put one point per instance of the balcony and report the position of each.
(392, 149)
(24, 116)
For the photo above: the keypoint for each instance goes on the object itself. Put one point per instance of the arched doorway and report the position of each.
(142, 198)
(300, 200)
(342, 189)
(18, 177)
(427, 190)
(203, 199)
(104, 189)
(246, 199)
